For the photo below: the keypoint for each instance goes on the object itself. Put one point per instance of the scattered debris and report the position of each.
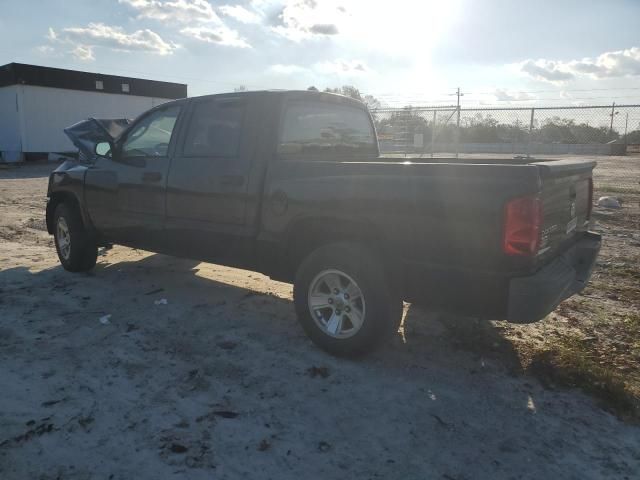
(324, 446)
(105, 319)
(227, 344)
(609, 202)
(225, 414)
(162, 301)
(178, 448)
(313, 372)
(153, 292)
(439, 420)
(41, 429)
(84, 422)
(264, 445)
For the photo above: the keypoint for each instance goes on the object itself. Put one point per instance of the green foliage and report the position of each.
(564, 130)
(632, 137)
(403, 124)
(350, 91)
(485, 128)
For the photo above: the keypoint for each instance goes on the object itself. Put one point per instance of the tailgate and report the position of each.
(566, 203)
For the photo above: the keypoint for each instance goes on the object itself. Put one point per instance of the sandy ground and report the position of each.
(221, 382)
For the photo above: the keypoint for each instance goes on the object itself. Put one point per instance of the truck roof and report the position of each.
(293, 94)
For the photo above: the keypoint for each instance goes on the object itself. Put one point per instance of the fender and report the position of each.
(66, 183)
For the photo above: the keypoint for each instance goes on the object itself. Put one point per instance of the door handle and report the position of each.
(232, 180)
(151, 176)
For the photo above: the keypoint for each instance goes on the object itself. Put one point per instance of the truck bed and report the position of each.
(439, 211)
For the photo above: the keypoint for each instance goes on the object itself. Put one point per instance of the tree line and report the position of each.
(481, 127)
(484, 127)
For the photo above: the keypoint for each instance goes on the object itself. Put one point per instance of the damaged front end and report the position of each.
(87, 134)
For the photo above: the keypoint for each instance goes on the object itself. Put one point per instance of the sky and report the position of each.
(499, 52)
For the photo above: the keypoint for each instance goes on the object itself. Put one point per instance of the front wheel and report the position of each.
(344, 299)
(77, 250)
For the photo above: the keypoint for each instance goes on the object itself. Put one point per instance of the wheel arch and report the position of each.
(308, 234)
(55, 199)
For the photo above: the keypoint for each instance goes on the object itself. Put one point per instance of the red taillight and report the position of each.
(590, 206)
(522, 224)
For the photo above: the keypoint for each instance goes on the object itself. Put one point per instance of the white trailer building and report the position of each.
(37, 103)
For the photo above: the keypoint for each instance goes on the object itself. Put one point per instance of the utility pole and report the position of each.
(433, 131)
(612, 114)
(533, 112)
(458, 94)
(626, 124)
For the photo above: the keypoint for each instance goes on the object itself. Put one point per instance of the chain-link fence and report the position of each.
(591, 130)
(535, 131)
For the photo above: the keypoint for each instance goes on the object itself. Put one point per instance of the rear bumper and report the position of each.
(533, 297)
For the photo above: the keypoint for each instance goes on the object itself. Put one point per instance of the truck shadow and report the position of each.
(481, 338)
(194, 290)
(196, 283)
(204, 316)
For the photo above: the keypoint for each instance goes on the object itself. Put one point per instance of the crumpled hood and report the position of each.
(88, 133)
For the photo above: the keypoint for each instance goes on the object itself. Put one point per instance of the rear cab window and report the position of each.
(317, 129)
(215, 129)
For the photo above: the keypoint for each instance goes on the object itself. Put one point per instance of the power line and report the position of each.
(508, 91)
(417, 101)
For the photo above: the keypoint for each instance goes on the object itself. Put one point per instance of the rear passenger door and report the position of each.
(208, 179)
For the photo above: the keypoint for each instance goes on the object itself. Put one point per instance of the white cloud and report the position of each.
(506, 96)
(342, 67)
(46, 49)
(303, 19)
(547, 70)
(287, 69)
(181, 11)
(83, 52)
(335, 67)
(220, 35)
(203, 22)
(241, 14)
(620, 63)
(84, 39)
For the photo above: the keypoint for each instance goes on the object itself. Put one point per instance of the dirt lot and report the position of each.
(221, 382)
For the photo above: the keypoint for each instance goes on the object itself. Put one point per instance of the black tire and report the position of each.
(383, 311)
(83, 251)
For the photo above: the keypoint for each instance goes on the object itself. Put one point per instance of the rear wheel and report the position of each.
(76, 248)
(344, 299)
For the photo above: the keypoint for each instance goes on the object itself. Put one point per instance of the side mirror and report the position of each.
(103, 149)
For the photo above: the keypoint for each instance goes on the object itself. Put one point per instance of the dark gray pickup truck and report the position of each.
(292, 184)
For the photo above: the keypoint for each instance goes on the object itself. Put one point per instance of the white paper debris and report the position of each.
(608, 202)
(162, 301)
(105, 319)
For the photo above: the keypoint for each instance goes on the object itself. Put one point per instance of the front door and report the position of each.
(208, 180)
(125, 194)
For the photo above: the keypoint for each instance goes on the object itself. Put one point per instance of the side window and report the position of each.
(151, 137)
(215, 129)
(318, 128)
